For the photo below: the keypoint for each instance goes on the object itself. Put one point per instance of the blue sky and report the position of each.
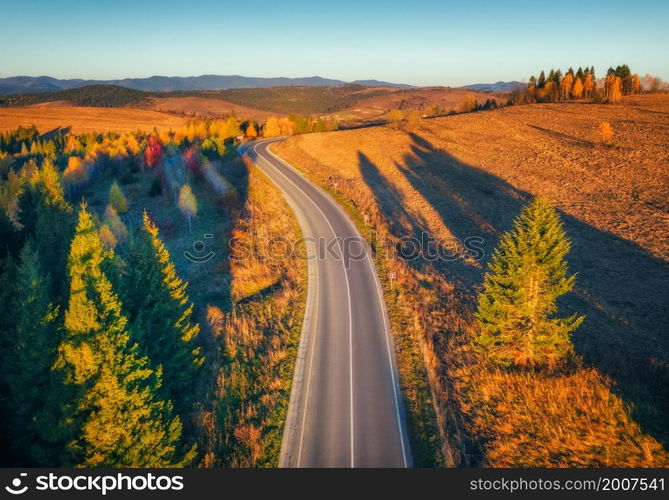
(418, 42)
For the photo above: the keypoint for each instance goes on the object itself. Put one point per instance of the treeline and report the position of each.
(580, 84)
(288, 125)
(100, 358)
(97, 96)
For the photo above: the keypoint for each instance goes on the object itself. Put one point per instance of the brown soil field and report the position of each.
(54, 115)
(375, 107)
(206, 107)
(469, 175)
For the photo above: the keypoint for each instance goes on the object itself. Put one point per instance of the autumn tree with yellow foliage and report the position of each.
(251, 130)
(577, 89)
(614, 89)
(271, 127)
(588, 85)
(582, 84)
(566, 86)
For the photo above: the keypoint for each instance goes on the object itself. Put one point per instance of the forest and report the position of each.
(583, 84)
(118, 349)
(291, 100)
(97, 96)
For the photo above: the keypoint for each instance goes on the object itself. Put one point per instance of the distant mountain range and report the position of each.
(495, 87)
(29, 84)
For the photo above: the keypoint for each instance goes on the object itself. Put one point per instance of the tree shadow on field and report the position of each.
(51, 134)
(620, 287)
(565, 137)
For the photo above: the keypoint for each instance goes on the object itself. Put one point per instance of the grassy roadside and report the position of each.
(257, 338)
(424, 436)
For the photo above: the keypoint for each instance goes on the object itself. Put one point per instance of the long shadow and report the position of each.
(620, 286)
(565, 137)
(51, 134)
(403, 224)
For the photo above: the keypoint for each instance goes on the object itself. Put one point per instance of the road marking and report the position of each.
(348, 293)
(381, 303)
(311, 366)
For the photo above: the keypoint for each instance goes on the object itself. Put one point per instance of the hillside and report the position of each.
(60, 115)
(468, 176)
(29, 84)
(295, 99)
(376, 105)
(206, 107)
(104, 96)
(351, 104)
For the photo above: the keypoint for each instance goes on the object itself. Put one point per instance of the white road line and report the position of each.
(390, 362)
(383, 310)
(311, 366)
(348, 292)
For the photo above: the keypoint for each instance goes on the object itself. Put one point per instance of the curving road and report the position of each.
(346, 406)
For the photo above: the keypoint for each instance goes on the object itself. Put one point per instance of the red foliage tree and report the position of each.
(153, 152)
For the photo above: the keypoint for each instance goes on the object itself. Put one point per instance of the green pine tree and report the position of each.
(112, 417)
(160, 313)
(48, 219)
(7, 343)
(32, 403)
(527, 274)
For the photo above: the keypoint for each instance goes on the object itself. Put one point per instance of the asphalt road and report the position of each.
(346, 406)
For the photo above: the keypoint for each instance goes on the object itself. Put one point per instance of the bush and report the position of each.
(394, 117)
(605, 133)
(468, 103)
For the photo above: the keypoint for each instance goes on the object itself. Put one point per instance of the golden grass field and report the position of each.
(469, 175)
(206, 107)
(54, 115)
(374, 108)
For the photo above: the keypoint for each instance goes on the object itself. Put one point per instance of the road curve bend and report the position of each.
(346, 407)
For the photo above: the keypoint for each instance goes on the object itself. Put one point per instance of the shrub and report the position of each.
(412, 119)
(605, 133)
(394, 117)
(468, 103)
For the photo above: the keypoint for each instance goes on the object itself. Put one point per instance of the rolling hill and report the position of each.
(29, 84)
(495, 87)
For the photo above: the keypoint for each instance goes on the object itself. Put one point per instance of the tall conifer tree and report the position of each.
(160, 312)
(112, 417)
(527, 274)
(32, 403)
